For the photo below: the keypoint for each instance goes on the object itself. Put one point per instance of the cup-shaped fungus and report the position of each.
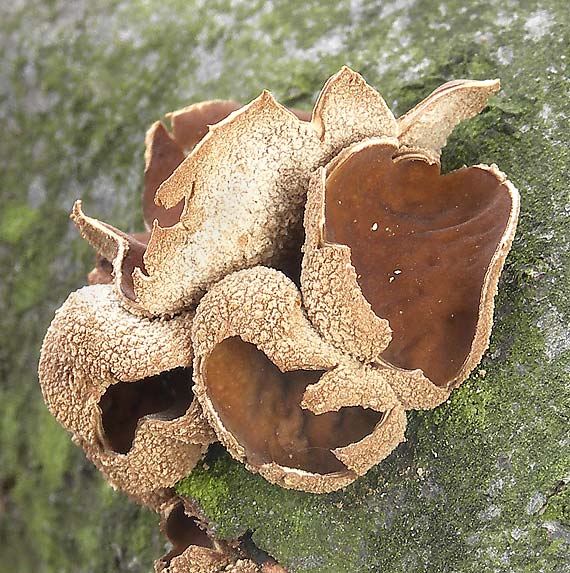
(194, 550)
(122, 385)
(279, 397)
(402, 263)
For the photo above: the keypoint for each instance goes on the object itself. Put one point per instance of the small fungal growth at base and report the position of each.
(195, 551)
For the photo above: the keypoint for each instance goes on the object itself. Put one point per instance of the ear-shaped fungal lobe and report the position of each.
(282, 400)
(428, 125)
(245, 185)
(122, 385)
(194, 550)
(426, 251)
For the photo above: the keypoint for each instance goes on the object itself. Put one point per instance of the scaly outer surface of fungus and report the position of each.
(333, 283)
(119, 253)
(291, 153)
(262, 307)
(264, 154)
(93, 346)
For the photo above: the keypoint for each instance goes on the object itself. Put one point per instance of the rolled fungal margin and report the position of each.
(427, 126)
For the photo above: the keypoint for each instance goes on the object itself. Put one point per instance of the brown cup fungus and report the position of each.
(122, 385)
(194, 550)
(279, 397)
(414, 256)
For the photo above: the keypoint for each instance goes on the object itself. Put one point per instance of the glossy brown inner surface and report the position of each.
(183, 531)
(260, 406)
(102, 274)
(421, 244)
(165, 157)
(166, 396)
(191, 126)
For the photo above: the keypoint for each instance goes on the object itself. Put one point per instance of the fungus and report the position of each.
(309, 388)
(321, 418)
(244, 183)
(122, 385)
(414, 256)
(194, 550)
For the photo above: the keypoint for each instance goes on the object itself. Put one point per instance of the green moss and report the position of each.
(558, 505)
(16, 221)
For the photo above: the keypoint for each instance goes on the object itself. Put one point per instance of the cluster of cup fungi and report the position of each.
(303, 280)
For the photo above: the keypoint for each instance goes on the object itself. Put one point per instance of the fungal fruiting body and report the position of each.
(321, 417)
(399, 273)
(122, 386)
(418, 254)
(304, 371)
(194, 550)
